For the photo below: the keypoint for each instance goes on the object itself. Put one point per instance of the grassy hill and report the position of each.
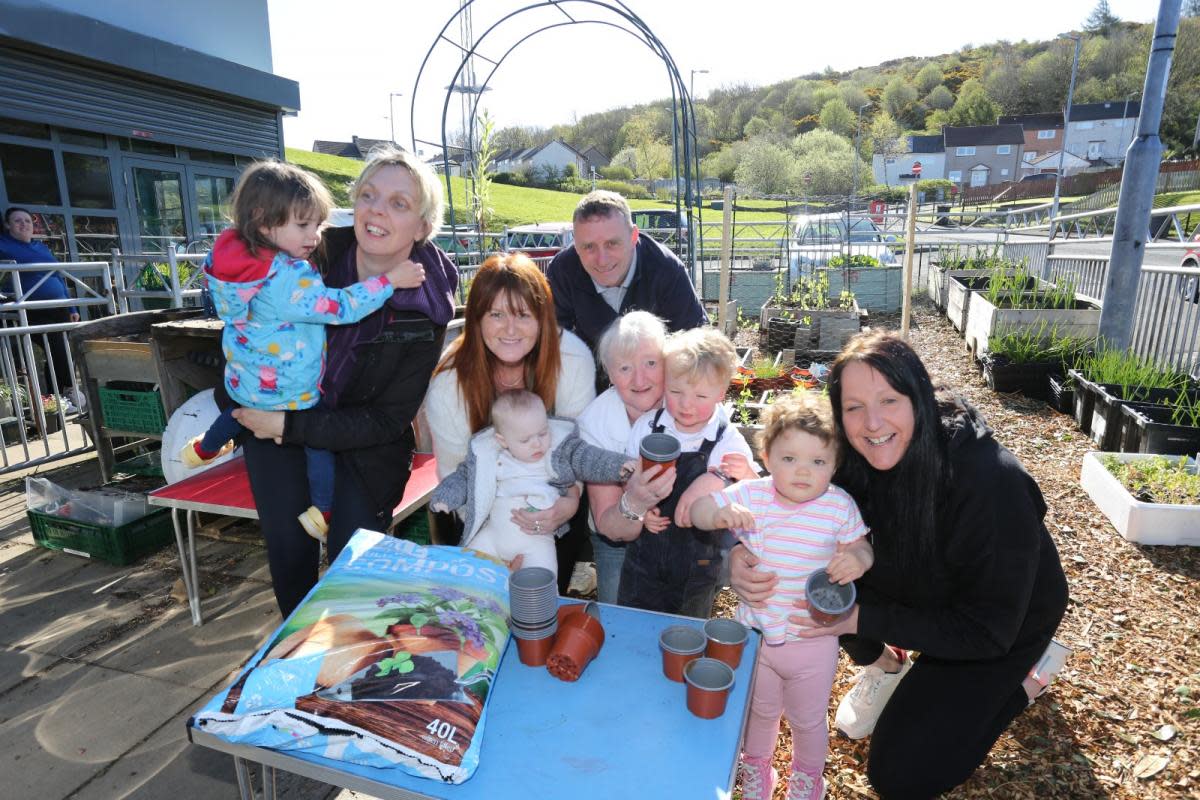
(513, 205)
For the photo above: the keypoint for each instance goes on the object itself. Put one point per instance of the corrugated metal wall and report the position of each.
(36, 87)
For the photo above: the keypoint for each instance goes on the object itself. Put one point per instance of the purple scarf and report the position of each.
(434, 298)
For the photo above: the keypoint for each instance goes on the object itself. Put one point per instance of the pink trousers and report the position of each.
(795, 679)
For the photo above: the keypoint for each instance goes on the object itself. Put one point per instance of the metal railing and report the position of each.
(46, 402)
(1167, 317)
(132, 271)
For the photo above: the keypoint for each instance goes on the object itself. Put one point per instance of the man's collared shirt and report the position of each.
(615, 295)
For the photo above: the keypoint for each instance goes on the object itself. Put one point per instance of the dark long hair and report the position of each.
(902, 505)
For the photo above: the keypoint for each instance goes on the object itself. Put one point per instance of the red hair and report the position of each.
(518, 280)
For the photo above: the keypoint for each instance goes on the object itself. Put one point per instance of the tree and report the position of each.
(626, 159)
(885, 136)
(1191, 8)
(940, 97)
(929, 77)
(799, 102)
(899, 98)
(854, 96)
(1101, 20)
(766, 168)
(836, 116)
(757, 126)
(519, 137)
(829, 160)
(973, 106)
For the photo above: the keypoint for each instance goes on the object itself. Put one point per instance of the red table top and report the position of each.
(226, 488)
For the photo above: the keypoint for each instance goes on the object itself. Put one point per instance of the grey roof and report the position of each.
(595, 156)
(343, 149)
(1111, 109)
(931, 143)
(983, 135)
(1035, 122)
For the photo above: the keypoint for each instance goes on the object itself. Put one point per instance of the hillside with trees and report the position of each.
(770, 138)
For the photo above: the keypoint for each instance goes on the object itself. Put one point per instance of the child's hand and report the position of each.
(516, 563)
(441, 508)
(737, 466)
(704, 485)
(655, 522)
(408, 275)
(734, 516)
(849, 564)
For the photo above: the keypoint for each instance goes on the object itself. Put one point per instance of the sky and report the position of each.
(349, 56)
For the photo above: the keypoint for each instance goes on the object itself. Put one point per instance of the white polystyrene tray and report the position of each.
(1144, 523)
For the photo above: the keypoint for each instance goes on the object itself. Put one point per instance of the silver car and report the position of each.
(819, 237)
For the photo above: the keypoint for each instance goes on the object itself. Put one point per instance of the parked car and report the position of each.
(819, 237)
(1038, 176)
(542, 240)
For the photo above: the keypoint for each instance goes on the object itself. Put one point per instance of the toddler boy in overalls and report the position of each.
(671, 566)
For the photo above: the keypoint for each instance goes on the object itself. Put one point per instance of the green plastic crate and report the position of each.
(132, 410)
(415, 527)
(119, 545)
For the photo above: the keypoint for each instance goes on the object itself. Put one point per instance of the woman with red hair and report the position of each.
(510, 340)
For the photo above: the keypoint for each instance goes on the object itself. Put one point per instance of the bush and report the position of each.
(510, 179)
(855, 261)
(576, 185)
(616, 173)
(630, 191)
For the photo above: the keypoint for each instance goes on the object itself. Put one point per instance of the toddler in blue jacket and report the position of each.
(275, 307)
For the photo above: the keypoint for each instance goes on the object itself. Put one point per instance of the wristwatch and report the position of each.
(627, 512)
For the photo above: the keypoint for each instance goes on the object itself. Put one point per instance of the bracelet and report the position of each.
(724, 476)
(627, 512)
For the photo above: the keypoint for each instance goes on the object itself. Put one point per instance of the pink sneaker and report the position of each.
(804, 786)
(758, 778)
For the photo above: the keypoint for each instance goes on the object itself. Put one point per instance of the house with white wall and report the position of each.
(555, 153)
(1101, 132)
(891, 169)
(983, 155)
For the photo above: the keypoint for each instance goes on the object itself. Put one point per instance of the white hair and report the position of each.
(629, 331)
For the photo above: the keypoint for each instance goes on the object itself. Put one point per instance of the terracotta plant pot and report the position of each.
(680, 645)
(586, 624)
(533, 652)
(726, 640)
(708, 685)
(573, 651)
(659, 452)
(828, 602)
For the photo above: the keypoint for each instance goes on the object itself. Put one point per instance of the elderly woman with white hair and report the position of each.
(630, 351)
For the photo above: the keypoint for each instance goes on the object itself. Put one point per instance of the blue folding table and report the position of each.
(621, 731)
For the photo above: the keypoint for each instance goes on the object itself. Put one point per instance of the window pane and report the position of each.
(212, 204)
(29, 175)
(51, 230)
(149, 148)
(82, 138)
(95, 237)
(18, 127)
(212, 157)
(159, 209)
(88, 181)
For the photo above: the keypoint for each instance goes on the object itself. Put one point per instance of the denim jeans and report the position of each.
(609, 557)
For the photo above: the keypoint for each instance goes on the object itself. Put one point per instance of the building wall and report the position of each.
(205, 25)
(1002, 167)
(1039, 147)
(1113, 135)
(888, 170)
(559, 155)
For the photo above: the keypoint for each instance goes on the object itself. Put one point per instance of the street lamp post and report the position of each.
(692, 82)
(854, 171)
(1062, 150)
(1125, 123)
(692, 101)
(392, 112)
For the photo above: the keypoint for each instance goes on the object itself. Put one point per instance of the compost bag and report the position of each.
(387, 663)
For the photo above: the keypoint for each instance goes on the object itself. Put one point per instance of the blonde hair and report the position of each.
(509, 405)
(269, 193)
(700, 352)
(807, 412)
(430, 199)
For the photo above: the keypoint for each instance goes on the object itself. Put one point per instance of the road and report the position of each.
(1156, 255)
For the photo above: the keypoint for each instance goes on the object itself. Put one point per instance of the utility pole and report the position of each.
(1132, 227)
(1062, 151)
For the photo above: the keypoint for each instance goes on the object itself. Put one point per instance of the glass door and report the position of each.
(158, 195)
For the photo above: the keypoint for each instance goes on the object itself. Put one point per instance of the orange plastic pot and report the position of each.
(586, 624)
(534, 652)
(573, 650)
(680, 645)
(726, 640)
(708, 685)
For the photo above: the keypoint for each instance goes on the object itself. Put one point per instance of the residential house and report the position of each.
(126, 124)
(1048, 163)
(1101, 132)
(555, 154)
(891, 169)
(595, 159)
(357, 148)
(1043, 134)
(982, 155)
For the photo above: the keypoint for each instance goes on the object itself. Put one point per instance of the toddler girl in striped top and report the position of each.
(795, 522)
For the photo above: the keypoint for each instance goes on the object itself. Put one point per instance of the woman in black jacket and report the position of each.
(376, 373)
(965, 573)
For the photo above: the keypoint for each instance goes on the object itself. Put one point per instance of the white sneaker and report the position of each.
(583, 578)
(802, 786)
(860, 708)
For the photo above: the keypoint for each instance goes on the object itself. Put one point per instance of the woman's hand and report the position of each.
(263, 424)
(643, 493)
(753, 586)
(810, 629)
(546, 522)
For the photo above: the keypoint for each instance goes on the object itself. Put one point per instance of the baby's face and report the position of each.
(801, 465)
(525, 435)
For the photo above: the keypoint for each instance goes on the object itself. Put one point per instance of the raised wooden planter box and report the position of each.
(875, 288)
(985, 320)
(828, 328)
(1137, 521)
(960, 285)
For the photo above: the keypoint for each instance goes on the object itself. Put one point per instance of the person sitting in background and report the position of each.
(524, 461)
(17, 244)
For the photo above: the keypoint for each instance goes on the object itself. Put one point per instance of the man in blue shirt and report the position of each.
(16, 244)
(610, 269)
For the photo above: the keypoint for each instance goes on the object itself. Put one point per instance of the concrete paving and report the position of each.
(100, 666)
